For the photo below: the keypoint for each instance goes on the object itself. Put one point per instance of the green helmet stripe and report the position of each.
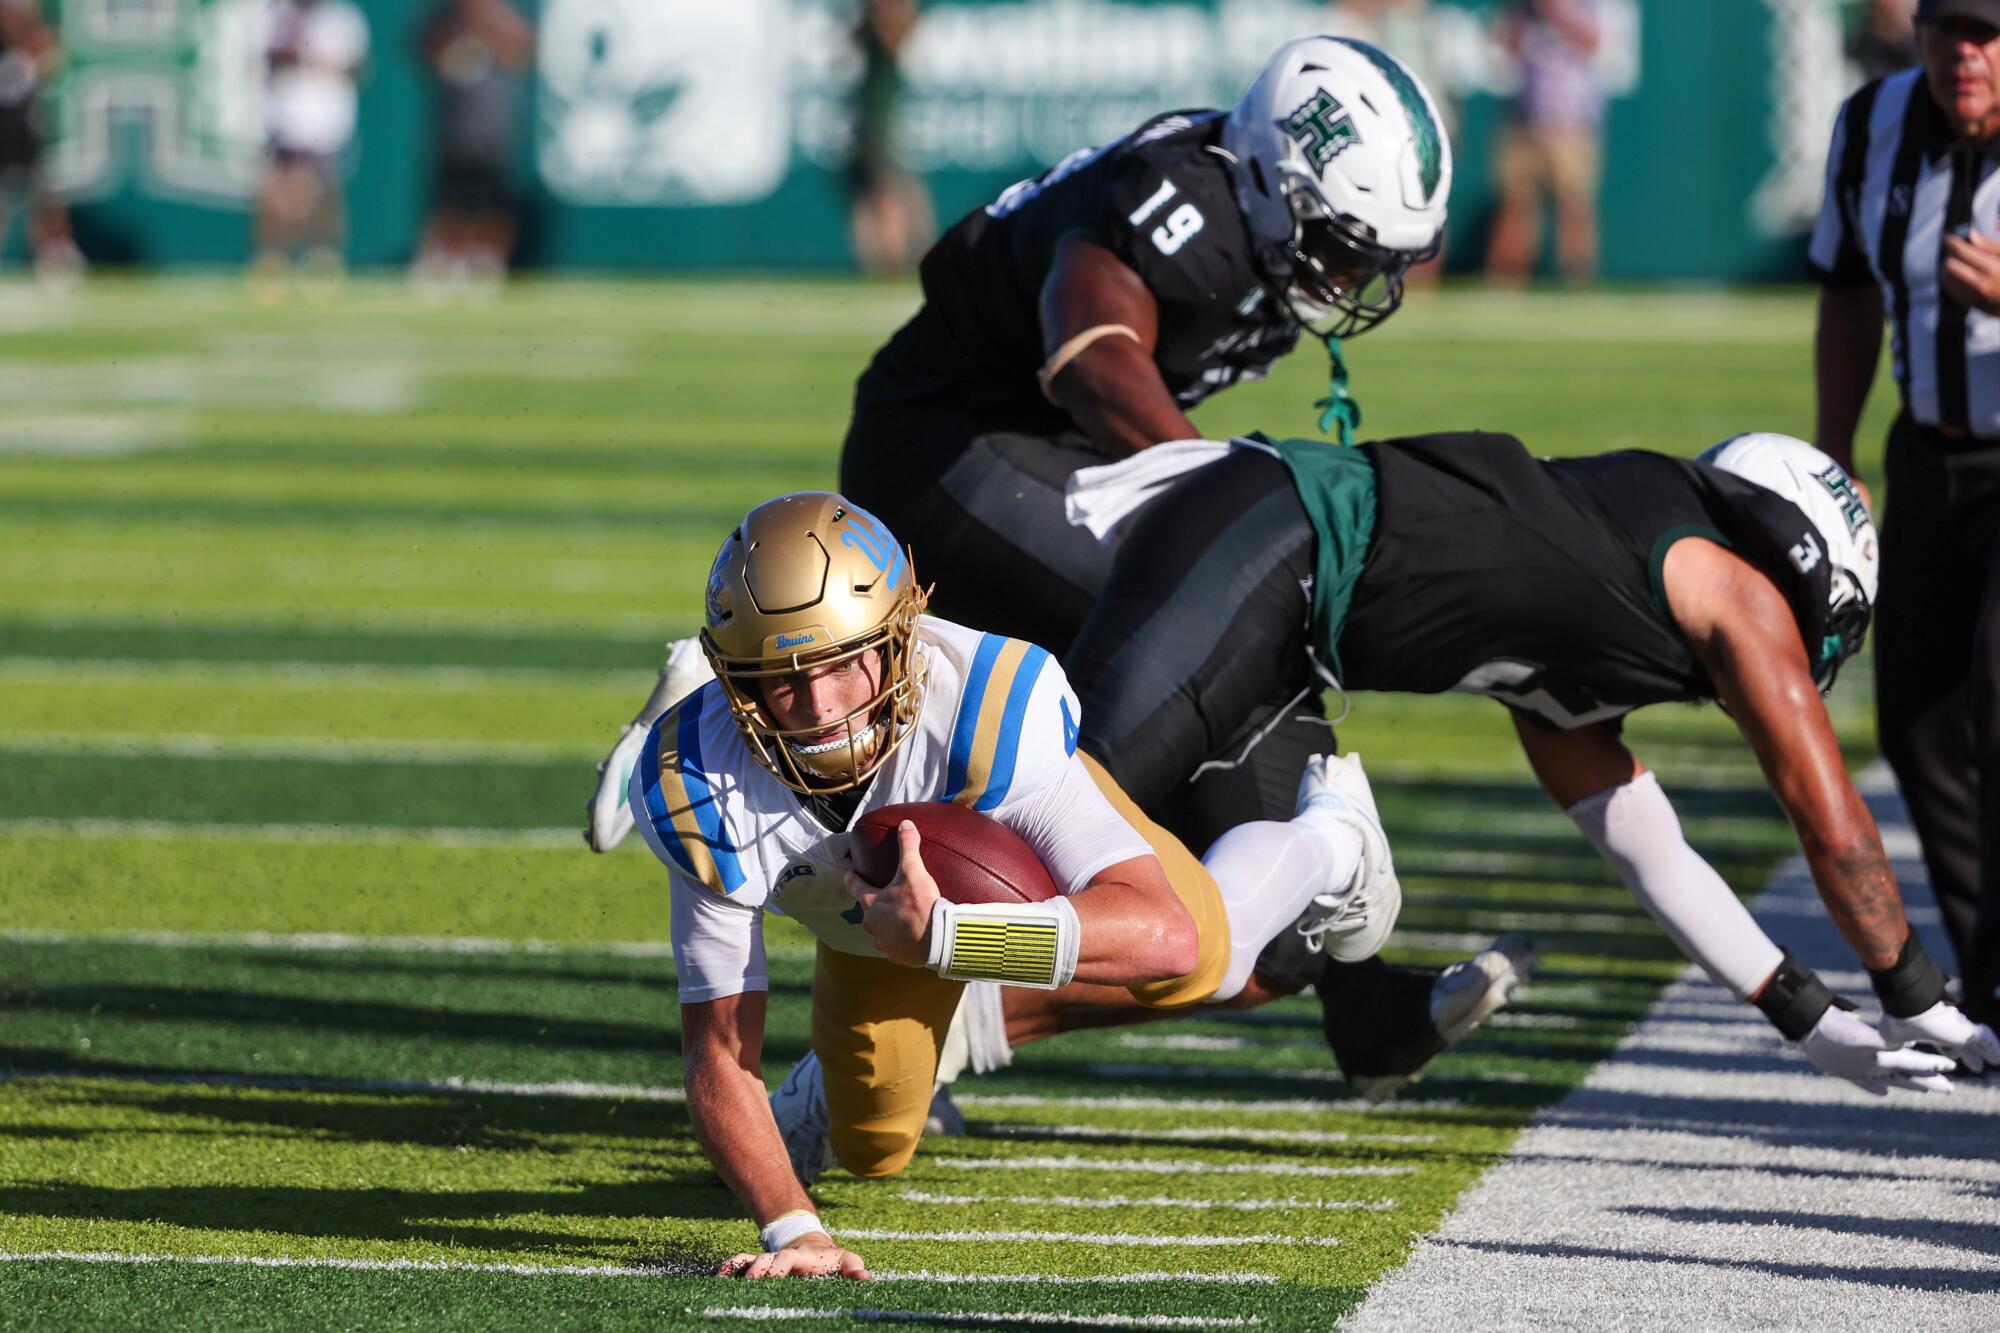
(1430, 139)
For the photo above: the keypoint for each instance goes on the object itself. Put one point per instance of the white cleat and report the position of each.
(686, 671)
(799, 1107)
(1350, 922)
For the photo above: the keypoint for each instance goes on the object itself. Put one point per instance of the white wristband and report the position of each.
(1017, 944)
(785, 1228)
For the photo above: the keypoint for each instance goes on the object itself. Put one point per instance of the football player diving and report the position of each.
(1075, 320)
(1078, 317)
(836, 694)
(1571, 590)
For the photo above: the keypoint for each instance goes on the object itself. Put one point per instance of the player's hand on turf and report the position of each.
(1944, 1027)
(1971, 274)
(1845, 1047)
(808, 1256)
(897, 916)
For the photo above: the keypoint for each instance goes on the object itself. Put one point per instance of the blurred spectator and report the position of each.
(29, 57)
(891, 219)
(1884, 39)
(476, 51)
(313, 56)
(1553, 145)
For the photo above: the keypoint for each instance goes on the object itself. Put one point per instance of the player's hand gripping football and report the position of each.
(897, 916)
(808, 1256)
(1944, 1027)
(1844, 1046)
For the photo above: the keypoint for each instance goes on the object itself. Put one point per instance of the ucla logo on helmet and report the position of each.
(867, 535)
(794, 640)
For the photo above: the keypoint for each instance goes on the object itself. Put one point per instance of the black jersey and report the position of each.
(1161, 200)
(1538, 581)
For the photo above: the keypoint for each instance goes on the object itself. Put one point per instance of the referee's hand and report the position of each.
(1971, 274)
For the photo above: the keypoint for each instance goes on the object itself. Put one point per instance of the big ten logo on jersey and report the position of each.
(663, 101)
(1526, 686)
(812, 890)
(167, 93)
(1177, 228)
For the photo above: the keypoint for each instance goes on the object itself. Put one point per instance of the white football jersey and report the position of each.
(997, 732)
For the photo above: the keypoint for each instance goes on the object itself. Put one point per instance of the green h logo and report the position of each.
(1322, 127)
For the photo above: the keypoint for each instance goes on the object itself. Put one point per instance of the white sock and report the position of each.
(1268, 872)
(977, 1037)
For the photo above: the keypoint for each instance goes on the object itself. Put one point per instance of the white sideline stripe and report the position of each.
(1085, 1238)
(338, 942)
(1152, 1166)
(1013, 1318)
(164, 830)
(1706, 1176)
(323, 675)
(460, 1087)
(1151, 1201)
(323, 749)
(1277, 1106)
(1197, 1134)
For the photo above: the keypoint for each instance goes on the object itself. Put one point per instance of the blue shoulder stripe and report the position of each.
(1008, 750)
(682, 803)
(966, 726)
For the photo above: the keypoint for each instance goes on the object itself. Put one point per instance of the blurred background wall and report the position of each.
(709, 134)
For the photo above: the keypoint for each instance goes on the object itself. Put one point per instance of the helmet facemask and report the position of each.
(807, 759)
(1341, 282)
(1846, 627)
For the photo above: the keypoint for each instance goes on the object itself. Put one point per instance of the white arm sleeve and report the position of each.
(1636, 829)
(1073, 828)
(718, 945)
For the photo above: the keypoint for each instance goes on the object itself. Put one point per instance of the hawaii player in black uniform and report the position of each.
(1077, 319)
(1573, 591)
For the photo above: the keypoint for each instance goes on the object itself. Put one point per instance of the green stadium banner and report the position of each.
(712, 134)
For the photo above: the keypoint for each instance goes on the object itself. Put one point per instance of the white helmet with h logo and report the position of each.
(1831, 503)
(1342, 169)
(811, 580)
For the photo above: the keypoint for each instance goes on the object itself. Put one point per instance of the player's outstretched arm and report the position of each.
(722, 1042)
(1627, 817)
(1099, 327)
(1743, 633)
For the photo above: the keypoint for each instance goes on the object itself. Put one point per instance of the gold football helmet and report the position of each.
(811, 580)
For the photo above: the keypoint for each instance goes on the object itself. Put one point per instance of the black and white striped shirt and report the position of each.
(1896, 181)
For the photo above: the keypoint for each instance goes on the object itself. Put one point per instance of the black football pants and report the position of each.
(982, 512)
(1937, 679)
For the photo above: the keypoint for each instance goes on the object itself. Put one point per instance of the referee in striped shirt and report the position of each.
(1910, 228)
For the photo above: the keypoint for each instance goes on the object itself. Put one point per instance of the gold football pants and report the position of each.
(877, 1026)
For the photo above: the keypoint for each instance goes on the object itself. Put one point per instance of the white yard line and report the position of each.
(1157, 1166)
(1707, 1177)
(1107, 1201)
(321, 749)
(1270, 1105)
(340, 942)
(165, 830)
(1194, 1134)
(447, 1087)
(979, 1319)
(1107, 1238)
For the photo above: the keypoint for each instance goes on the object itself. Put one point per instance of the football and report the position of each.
(973, 859)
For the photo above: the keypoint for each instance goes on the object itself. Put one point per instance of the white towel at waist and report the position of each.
(1103, 498)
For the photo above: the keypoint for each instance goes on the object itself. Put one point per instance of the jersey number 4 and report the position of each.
(1177, 228)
